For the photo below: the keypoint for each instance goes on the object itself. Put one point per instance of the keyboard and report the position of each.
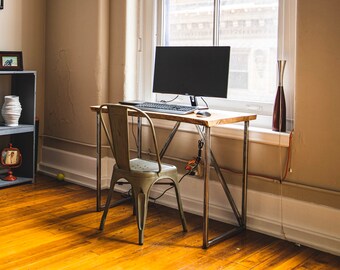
(165, 108)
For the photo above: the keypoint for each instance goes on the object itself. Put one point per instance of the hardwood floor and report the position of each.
(54, 225)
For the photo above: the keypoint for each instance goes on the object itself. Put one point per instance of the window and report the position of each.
(258, 31)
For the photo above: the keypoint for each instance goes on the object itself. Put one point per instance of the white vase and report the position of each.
(11, 110)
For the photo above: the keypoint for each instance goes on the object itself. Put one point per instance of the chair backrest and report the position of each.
(119, 136)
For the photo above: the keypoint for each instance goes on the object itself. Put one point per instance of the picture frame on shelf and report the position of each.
(10, 158)
(11, 61)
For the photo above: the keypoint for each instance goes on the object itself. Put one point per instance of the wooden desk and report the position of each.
(216, 118)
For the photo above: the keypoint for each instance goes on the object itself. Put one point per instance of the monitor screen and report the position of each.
(195, 71)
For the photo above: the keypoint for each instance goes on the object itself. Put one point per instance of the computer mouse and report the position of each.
(203, 114)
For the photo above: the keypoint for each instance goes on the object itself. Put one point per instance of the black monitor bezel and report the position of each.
(196, 53)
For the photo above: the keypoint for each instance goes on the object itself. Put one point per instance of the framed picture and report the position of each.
(11, 61)
(10, 158)
(1, 4)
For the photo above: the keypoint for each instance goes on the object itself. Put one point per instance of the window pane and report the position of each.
(188, 22)
(250, 28)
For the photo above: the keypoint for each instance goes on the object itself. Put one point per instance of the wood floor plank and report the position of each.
(319, 261)
(301, 256)
(54, 225)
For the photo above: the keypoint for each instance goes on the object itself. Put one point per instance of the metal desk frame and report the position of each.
(209, 160)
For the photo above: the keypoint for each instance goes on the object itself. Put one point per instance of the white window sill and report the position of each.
(235, 131)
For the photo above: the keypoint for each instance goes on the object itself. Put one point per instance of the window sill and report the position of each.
(235, 131)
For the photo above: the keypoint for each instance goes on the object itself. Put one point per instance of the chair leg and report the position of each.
(141, 205)
(180, 208)
(133, 202)
(107, 204)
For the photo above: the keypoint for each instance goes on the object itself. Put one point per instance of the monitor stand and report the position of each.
(194, 103)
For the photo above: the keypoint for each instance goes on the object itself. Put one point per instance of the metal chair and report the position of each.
(140, 173)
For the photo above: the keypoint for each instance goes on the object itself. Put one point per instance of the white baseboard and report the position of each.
(78, 169)
(305, 223)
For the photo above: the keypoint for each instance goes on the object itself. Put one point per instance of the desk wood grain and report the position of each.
(218, 117)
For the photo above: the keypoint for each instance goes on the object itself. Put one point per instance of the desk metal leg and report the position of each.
(99, 165)
(245, 173)
(168, 141)
(241, 218)
(227, 191)
(223, 183)
(206, 188)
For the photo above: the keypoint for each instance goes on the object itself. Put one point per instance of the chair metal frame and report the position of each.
(142, 174)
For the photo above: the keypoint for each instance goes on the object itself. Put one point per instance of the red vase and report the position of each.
(279, 112)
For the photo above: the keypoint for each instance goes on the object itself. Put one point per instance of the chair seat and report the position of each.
(147, 170)
(143, 165)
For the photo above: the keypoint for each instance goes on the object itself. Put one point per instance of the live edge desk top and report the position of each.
(217, 118)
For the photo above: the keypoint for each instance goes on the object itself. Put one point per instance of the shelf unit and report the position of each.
(22, 84)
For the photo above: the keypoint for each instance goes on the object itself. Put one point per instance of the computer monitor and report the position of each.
(197, 71)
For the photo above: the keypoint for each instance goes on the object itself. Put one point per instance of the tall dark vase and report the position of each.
(279, 113)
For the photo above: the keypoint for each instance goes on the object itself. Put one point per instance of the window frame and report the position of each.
(151, 23)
